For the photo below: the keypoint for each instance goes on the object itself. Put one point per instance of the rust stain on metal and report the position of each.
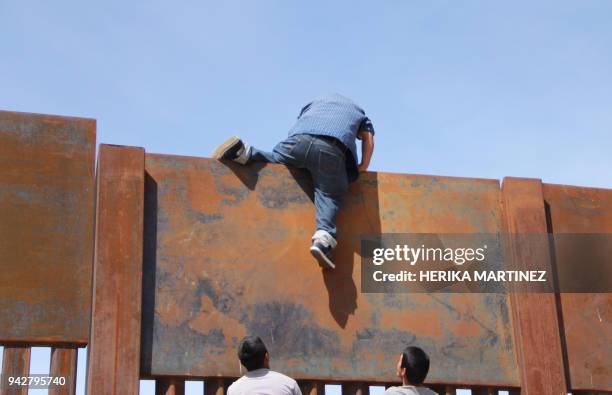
(46, 227)
(586, 318)
(226, 253)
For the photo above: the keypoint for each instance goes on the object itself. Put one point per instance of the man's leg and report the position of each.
(290, 151)
(257, 155)
(327, 206)
(327, 166)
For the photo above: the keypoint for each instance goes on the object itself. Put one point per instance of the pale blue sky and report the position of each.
(461, 88)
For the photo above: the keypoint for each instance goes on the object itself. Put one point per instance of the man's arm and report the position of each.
(367, 149)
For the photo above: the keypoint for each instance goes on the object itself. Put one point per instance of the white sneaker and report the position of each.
(322, 253)
(244, 154)
(233, 148)
(322, 245)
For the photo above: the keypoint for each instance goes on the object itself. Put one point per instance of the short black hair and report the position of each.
(252, 352)
(416, 362)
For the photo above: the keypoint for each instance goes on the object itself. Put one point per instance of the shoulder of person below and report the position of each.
(279, 375)
(409, 391)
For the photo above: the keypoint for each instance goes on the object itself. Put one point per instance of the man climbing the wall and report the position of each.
(322, 140)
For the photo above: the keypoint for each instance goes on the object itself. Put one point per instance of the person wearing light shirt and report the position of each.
(412, 368)
(259, 379)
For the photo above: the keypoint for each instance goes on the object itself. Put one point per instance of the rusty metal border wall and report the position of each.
(561, 344)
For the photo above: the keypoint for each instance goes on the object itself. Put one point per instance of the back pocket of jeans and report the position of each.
(329, 162)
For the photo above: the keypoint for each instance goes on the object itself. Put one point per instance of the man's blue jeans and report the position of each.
(325, 161)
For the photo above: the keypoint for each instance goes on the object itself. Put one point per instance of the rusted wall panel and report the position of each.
(114, 346)
(535, 314)
(226, 254)
(586, 318)
(46, 227)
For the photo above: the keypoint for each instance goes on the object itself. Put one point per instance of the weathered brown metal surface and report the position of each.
(312, 387)
(64, 364)
(586, 318)
(114, 347)
(484, 391)
(355, 388)
(46, 227)
(15, 363)
(536, 326)
(226, 254)
(170, 386)
(448, 390)
(216, 386)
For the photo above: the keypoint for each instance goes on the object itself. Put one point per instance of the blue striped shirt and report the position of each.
(336, 116)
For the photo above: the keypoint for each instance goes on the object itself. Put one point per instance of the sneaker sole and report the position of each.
(323, 260)
(221, 150)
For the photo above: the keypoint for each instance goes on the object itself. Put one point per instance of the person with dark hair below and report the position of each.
(412, 368)
(322, 141)
(259, 379)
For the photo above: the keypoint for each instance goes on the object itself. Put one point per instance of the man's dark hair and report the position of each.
(252, 352)
(416, 362)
